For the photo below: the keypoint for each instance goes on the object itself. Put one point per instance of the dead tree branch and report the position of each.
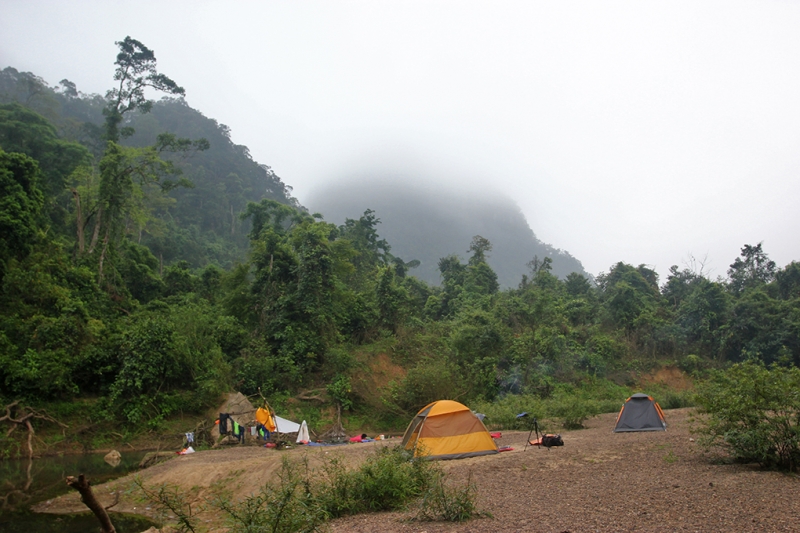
(82, 485)
(18, 415)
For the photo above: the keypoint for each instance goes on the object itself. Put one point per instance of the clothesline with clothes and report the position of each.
(266, 424)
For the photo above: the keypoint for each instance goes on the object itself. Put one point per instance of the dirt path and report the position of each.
(598, 481)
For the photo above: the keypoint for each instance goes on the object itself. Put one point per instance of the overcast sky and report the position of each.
(632, 131)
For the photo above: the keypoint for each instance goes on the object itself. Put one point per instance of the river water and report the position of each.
(24, 483)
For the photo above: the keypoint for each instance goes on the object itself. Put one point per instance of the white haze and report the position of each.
(642, 132)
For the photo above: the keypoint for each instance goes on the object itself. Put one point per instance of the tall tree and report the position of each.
(752, 269)
(136, 71)
(129, 175)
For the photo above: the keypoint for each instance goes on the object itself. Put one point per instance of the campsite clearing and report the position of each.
(598, 481)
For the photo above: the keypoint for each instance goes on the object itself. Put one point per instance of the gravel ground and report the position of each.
(604, 481)
(598, 481)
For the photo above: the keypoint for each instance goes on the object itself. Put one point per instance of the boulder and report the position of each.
(113, 458)
(239, 407)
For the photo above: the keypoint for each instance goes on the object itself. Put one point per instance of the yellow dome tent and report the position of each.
(448, 430)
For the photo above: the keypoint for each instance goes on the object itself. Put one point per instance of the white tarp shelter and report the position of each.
(285, 426)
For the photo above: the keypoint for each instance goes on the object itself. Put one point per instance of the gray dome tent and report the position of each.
(640, 412)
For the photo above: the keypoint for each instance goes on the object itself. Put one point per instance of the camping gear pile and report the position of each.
(239, 422)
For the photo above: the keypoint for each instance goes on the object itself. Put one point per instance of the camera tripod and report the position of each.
(534, 427)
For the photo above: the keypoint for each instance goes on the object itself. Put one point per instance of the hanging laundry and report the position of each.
(238, 431)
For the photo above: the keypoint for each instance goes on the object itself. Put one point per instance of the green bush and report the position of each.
(447, 503)
(287, 506)
(387, 480)
(428, 381)
(753, 412)
(573, 411)
(502, 413)
(675, 399)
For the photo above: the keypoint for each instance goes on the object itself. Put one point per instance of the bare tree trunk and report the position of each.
(81, 484)
(96, 233)
(102, 257)
(79, 220)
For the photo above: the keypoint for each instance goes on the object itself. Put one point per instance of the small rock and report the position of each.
(113, 457)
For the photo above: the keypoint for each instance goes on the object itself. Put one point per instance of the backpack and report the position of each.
(552, 440)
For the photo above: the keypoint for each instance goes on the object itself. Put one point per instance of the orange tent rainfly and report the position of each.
(264, 417)
(448, 430)
(640, 412)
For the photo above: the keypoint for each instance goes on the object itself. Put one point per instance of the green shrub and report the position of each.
(573, 410)
(450, 504)
(674, 399)
(753, 412)
(428, 381)
(502, 413)
(285, 507)
(169, 501)
(387, 480)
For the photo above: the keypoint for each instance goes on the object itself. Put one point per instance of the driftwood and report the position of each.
(151, 458)
(337, 432)
(311, 396)
(82, 485)
(23, 418)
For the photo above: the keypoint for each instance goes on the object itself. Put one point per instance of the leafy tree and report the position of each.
(788, 281)
(480, 278)
(129, 175)
(27, 132)
(577, 285)
(136, 71)
(20, 203)
(705, 313)
(49, 318)
(680, 283)
(763, 328)
(752, 269)
(371, 250)
(754, 413)
(630, 294)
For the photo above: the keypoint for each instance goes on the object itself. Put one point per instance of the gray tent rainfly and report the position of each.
(640, 412)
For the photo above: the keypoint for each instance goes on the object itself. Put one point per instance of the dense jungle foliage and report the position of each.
(148, 264)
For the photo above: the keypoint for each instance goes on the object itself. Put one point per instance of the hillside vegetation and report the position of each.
(148, 265)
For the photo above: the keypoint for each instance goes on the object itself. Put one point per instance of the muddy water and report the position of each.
(24, 483)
